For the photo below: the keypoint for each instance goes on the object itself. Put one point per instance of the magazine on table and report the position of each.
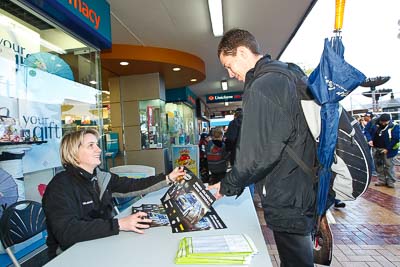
(158, 215)
(155, 212)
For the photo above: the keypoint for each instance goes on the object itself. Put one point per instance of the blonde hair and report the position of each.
(217, 133)
(70, 145)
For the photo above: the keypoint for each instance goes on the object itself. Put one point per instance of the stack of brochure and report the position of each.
(220, 249)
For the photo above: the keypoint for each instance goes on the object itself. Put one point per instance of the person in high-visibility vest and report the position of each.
(385, 142)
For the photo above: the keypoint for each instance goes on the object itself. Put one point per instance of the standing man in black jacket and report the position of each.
(272, 122)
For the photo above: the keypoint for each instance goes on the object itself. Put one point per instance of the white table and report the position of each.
(158, 246)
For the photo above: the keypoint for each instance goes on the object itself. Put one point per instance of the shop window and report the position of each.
(180, 124)
(152, 124)
(50, 84)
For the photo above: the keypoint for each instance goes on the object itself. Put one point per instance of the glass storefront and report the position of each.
(49, 85)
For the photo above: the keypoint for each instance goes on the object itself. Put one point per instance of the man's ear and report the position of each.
(242, 52)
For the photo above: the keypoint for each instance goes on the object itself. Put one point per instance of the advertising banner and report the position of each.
(17, 39)
(36, 121)
(42, 122)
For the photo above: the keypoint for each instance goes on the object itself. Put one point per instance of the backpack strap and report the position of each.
(301, 163)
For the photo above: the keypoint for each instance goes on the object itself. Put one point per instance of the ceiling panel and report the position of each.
(185, 25)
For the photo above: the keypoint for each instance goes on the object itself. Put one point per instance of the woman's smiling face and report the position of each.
(89, 153)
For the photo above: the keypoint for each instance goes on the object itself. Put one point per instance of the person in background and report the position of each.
(368, 116)
(385, 143)
(78, 202)
(232, 134)
(370, 121)
(217, 156)
(203, 142)
(232, 138)
(272, 123)
(362, 123)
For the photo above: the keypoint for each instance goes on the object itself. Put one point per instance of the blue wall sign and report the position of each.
(89, 19)
(183, 94)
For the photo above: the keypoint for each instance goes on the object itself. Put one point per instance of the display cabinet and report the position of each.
(152, 124)
(180, 124)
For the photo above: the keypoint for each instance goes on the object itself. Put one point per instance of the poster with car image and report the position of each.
(155, 212)
(158, 216)
(188, 205)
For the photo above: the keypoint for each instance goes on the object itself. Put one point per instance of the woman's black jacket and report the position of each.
(78, 211)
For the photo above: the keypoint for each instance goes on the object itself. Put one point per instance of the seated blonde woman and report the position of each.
(78, 202)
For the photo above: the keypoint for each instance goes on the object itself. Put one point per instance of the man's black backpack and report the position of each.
(351, 167)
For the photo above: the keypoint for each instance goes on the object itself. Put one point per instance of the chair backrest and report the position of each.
(138, 171)
(112, 144)
(21, 221)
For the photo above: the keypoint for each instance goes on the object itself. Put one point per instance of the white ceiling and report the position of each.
(185, 25)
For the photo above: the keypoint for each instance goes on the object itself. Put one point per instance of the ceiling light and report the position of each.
(224, 85)
(226, 104)
(215, 8)
(193, 80)
(93, 82)
(176, 69)
(124, 63)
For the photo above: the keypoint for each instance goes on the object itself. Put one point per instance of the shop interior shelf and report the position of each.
(22, 143)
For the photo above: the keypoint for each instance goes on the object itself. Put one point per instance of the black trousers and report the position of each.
(294, 250)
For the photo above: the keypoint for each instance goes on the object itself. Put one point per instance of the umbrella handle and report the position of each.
(339, 13)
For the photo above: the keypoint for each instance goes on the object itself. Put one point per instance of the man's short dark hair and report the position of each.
(234, 38)
(369, 114)
(238, 112)
(384, 117)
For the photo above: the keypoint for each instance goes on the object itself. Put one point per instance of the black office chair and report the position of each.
(21, 221)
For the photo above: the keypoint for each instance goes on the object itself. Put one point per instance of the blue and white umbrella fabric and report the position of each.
(8, 190)
(330, 82)
(50, 63)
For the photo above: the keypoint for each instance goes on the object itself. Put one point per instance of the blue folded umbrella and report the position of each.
(330, 82)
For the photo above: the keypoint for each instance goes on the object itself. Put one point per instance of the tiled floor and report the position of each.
(366, 232)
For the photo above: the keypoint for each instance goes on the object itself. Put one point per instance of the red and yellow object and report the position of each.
(339, 14)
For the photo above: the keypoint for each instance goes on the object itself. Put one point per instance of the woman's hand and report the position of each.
(134, 222)
(177, 172)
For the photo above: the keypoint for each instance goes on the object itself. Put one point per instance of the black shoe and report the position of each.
(380, 183)
(390, 185)
(340, 204)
